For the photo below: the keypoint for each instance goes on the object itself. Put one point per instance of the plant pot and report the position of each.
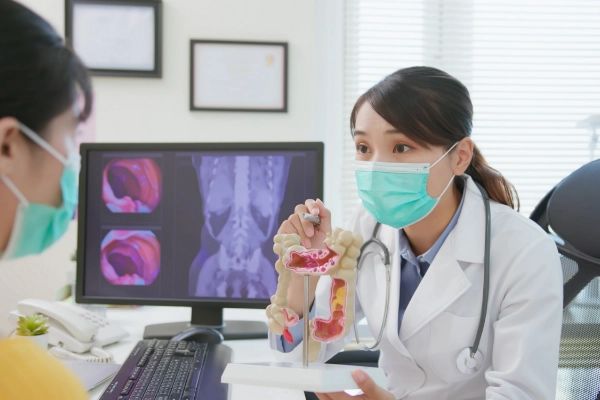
(41, 340)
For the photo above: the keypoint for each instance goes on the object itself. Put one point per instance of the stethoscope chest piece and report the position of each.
(469, 365)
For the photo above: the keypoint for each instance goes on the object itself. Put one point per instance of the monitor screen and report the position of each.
(189, 222)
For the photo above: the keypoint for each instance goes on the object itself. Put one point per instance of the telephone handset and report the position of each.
(72, 328)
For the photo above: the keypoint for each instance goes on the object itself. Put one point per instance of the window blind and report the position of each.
(532, 68)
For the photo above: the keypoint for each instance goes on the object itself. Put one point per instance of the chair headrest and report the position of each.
(574, 209)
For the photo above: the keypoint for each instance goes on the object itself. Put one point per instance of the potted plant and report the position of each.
(34, 327)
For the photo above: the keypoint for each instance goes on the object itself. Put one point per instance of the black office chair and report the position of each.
(570, 213)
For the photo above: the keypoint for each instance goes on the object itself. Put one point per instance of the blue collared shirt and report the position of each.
(412, 271)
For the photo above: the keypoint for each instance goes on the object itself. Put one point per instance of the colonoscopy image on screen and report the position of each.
(241, 199)
(190, 224)
(130, 257)
(132, 185)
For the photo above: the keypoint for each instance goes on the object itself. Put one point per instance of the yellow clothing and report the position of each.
(29, 373)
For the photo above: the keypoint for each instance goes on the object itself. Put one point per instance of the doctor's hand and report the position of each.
(370, 390)
(311, 236)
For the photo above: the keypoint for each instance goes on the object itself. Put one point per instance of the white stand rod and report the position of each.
(306, 320)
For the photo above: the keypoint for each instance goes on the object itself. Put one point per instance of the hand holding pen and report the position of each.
(311, 221)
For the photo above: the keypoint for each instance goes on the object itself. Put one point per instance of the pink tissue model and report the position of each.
(130, 257)
(336, 262)
(132, 185)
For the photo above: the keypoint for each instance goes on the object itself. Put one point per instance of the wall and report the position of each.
(157, 110)
(36, 276)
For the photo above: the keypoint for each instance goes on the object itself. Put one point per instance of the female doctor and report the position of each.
(417, 171)
(39, 83)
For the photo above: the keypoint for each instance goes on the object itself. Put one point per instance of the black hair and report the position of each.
(40, 77)
(434, 108)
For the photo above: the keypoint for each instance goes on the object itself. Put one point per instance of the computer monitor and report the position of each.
(189, 224)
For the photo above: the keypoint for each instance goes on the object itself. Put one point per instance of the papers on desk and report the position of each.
(91, 374)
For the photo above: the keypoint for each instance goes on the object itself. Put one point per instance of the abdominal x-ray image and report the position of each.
(241, 200)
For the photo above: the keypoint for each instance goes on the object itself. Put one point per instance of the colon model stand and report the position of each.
(338, 260)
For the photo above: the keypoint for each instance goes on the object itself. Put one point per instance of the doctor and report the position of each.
(417, 170)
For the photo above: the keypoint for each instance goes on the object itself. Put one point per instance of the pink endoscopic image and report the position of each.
(130, 257)
(132, 185)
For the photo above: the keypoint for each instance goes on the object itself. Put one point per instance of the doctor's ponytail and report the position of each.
(434, 109)
(499, 189)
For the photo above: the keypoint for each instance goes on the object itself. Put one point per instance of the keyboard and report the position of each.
(171, 370)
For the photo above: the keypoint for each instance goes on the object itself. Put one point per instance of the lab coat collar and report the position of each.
(470, 228)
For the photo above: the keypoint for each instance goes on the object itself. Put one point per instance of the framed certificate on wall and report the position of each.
(238, 76)
(116, 37)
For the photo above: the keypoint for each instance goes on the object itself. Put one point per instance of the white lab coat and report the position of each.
(521, 337)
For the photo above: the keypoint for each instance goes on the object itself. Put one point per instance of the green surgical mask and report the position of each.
(38, 226)
(395, 194)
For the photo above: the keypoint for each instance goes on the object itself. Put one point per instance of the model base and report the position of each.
(319, 378)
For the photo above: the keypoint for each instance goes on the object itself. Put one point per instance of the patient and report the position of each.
(40, 82)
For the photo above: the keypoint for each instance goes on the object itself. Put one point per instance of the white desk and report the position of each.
(134, 321)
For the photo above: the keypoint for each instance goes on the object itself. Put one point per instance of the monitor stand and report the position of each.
(211, 317)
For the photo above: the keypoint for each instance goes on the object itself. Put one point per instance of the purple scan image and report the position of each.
(241, 199)
(132, 185)
(130, 257)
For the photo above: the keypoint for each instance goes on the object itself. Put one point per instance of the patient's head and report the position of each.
(40, 80)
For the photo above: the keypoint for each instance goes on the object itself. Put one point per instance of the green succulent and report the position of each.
(32, 325)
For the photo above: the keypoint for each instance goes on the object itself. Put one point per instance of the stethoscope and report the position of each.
(470, 359)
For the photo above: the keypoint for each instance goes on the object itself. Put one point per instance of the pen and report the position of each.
(312, 218)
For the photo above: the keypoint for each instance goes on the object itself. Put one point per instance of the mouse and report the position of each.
(200, 334)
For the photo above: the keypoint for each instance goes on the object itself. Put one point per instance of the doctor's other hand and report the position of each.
(370, 390)
(311, 236)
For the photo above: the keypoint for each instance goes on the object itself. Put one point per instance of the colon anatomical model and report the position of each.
(337, 259)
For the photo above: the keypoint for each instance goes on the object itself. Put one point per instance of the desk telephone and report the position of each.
(72, 328)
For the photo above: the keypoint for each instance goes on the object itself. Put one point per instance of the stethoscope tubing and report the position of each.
(386, 262)
(486, 270)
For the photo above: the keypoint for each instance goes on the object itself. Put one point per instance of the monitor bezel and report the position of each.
(85, 148)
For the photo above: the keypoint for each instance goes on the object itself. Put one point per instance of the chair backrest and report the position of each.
(570, 213)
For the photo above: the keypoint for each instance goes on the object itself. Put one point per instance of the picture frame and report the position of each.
(116, 37)
(245, 76)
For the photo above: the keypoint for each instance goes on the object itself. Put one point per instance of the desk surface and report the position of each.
(134, 321)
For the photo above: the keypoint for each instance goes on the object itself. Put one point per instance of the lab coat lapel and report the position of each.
(445, 280)
(443, 283)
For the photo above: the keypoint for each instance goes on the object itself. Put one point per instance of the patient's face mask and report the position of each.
(38, 226)
(395, 194)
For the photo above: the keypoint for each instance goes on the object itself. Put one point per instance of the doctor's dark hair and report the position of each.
(40, 77)
(434, 109)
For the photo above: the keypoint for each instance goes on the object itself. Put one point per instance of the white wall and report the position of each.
(35, 276)
(157, 110)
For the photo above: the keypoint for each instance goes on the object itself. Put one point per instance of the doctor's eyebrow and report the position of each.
(388, 132)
